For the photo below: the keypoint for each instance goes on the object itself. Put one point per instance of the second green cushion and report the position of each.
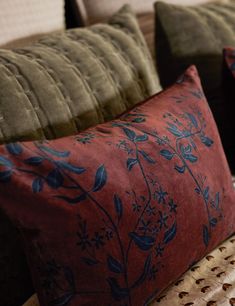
(188, 35)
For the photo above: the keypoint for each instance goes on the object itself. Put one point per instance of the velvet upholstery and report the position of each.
(62, 84)
(195, 35)
(70, 81)
(99, 212)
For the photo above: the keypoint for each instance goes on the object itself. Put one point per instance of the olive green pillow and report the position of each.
(188, 35)
(62, 84)
(69, 81)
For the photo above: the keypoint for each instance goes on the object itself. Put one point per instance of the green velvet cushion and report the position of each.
(188, 35)
(70, 81)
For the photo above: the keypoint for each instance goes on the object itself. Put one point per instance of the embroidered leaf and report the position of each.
(192, 158)
(170, 234)
(118, 293)
(5, 162)
(138, 120)
(147, 157)
(186, 152)
(75, 200)
(174, 130)
(120, 124)
(198, 191)
(5, 175)
(180, 169)
(206, 141)
(130, 134)
(114, 265)
(70, 167)
(37, 185)
(141, 138)
(89, 261)
(186, 132)
(133, 115)
(14, 148)
(145, 272)
(63, 300)
(217, 200)
(187, 149)
(55, 179)
(145, 243)
(34, 161)
(167, 154)
(193, 120)
(54, 152)
(213, 222)
(206, 236)
(100, 178)
(118, 206)
(206, 193)
(130, 163)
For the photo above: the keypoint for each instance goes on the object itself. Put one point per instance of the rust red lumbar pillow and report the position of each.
(113, 215)
(229, 94)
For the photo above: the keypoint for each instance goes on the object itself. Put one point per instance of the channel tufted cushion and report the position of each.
(60, 85)
(113, 215)
(68, 82)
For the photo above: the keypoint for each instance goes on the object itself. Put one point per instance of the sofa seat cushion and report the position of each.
(210, 282)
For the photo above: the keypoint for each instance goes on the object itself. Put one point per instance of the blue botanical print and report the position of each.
(184, 151)
(154, 209)
(145, 231)
(85, 138)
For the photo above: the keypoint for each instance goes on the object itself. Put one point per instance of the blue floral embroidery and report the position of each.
(186, 155)
(85, 138)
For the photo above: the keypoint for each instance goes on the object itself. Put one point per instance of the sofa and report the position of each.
(210, 281)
